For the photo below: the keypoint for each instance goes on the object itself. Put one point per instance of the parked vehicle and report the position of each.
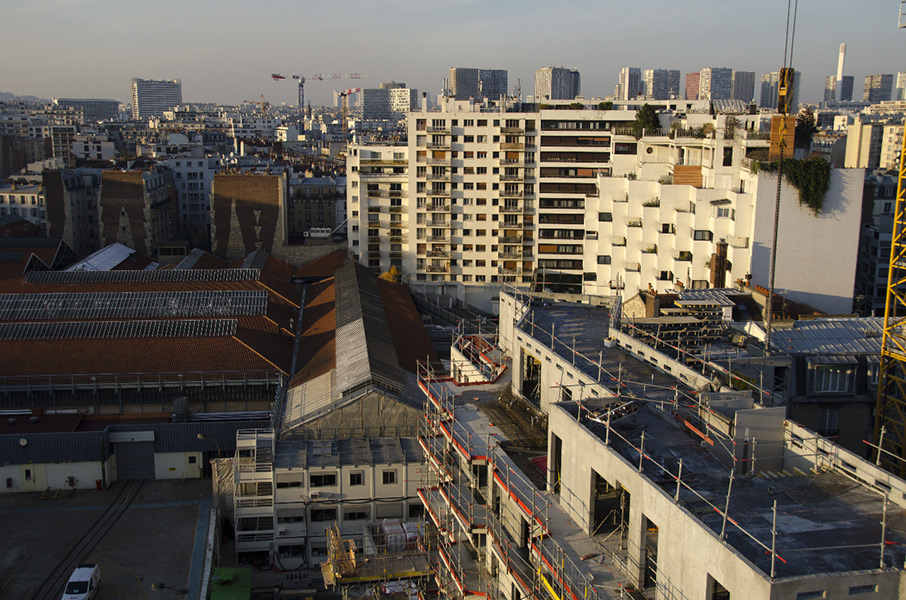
(84, 582)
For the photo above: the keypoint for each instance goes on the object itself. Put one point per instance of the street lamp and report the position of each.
(202, 436)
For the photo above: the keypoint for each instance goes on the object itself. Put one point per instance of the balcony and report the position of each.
(509, 239)
(438, 161)
(437, 238)
(511, 146)
(397, 239)
(511, 209)
(439, 253)
(439, 129)
(396, 209)
(379, 174)
(374, 238)
(515, 130)
(437, 268)
(510, 255)
(439, 193)
(510, 178)
(438, 145)
(510, 194)
(396, 254)
(384, 161)
(435, 177)
(443, 224)
(438, 208)
(512, 161)
(514, 271)
(374, 254)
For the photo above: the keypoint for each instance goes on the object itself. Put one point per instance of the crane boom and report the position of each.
(317, 77)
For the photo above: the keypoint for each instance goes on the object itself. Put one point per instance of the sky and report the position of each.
(225, 51)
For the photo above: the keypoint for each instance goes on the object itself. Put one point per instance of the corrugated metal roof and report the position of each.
(77, 446)
(297, 454)
(830, 337)
(365, 350)
(712, 295)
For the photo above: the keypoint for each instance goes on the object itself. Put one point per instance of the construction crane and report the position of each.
(345, 96)
(890, 411)
(318, 77)
(262, 104)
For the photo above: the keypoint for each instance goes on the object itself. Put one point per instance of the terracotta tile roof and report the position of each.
(409, 336)
(317, 348)
(324, 266)
(128, 356)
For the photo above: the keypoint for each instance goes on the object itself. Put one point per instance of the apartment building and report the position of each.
(137, 209)
(388, 104)
(661, 84)
(693, 82)
(878, 88)
(151, 97)
(630, 83)
(556, 83)
(289, 493)
(468, 83)
(715, 83)
(743, 86)
(193, 177)
(93, 109)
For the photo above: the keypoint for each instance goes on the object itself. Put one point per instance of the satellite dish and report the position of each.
(23, 442)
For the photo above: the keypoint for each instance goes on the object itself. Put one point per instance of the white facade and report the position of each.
(151, 97)
(556, 83)
(630, 85)
(93, 147)
(193, 177)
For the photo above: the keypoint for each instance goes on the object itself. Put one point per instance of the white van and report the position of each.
(84, 582)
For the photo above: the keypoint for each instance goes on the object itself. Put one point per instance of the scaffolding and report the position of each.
(473, 491)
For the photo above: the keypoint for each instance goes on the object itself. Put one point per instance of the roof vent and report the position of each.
(871, 333)
(11, 420)
(34, 419)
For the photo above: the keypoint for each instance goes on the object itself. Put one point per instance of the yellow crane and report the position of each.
(262, 104)
(890, 411)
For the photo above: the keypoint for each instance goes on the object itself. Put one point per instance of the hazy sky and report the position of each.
(225, 50)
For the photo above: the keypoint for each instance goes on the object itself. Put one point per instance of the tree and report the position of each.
(645, 119)
(576, 106)
(393, 274)
(608, 105)
(805, 128)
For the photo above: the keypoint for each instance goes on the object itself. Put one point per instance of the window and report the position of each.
(830, 421)
(605, 217)
(323, 514)
(830, 378)
(288, 484)
(322, 480)
(702, 235)
(724, 213)
(356, 515)
(389, 477)
(604, 260)
(357, 478)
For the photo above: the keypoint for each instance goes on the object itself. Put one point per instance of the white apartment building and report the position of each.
(388, 104)
(193, 177)
(93, 147)
(288, 493)
(25, 200)
(715, 83)
(630, 84)
(556, 83)
(151, 97)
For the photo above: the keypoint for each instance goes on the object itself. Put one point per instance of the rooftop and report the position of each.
(830, 336)
(293, 454)
(826, 522)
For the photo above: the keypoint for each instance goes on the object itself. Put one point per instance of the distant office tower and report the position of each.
(692, 81)
(388, 103)
(151, 97)
(492, 83)
(92, 110)
(901, 86)
(743, 86)
(477, 83)
(556, 83)
(878, 88)
(715, 83)
(660, 84)
(830, 89)
(463, 83)
(770, 86)
(630, 85)
(841, 61)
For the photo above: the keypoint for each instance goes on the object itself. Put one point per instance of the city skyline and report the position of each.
(223, 53)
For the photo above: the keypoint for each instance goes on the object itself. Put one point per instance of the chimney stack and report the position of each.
(719, 265)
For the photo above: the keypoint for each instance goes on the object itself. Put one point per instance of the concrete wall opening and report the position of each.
(556, 463)
(609, 507)
(531, 378)
(651, 534)
(716, 591)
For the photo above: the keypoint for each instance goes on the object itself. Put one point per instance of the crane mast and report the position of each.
(890, 411)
